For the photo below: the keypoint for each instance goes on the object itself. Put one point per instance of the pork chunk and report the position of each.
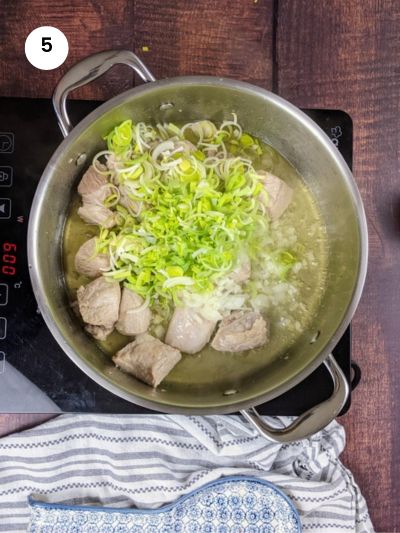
(97, 214)
(133, 206)
(99, 302)
(132, 320)
(241, 330)
(279, 194)
(188, 331)
(94, 187)
(99, 332)
(242, 271)
(148, 359)
(88, 262)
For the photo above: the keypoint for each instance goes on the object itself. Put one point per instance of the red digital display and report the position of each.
(9, 259)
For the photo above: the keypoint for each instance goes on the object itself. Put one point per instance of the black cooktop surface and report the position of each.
(28, 137)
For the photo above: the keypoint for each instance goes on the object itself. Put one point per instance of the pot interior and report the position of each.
(225, 382)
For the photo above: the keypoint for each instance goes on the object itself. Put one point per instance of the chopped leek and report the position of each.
(187, 203)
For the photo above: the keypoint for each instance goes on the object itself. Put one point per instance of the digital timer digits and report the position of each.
(9, 259)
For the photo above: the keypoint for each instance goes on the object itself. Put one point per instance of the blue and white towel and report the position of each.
(146, 461)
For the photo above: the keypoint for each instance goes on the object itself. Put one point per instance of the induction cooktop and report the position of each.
(35, 374)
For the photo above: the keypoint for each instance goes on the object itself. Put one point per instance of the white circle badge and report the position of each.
(46, 48)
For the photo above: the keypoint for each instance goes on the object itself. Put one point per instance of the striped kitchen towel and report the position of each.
(146, 461)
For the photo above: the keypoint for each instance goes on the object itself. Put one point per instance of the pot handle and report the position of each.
(312, 420)
(88, 70)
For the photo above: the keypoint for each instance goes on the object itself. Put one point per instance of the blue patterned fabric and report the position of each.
(228, 505)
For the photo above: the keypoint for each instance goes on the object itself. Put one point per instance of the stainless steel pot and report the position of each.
(221, 387)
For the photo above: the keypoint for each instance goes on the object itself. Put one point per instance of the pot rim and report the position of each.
(218, 82)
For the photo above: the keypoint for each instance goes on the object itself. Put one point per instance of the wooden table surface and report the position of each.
(316, 53)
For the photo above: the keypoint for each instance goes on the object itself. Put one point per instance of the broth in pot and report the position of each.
(275, 273)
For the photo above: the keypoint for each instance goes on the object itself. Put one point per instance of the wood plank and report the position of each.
(182, 37)
(221, 38)
(346, 55)
(89, 27)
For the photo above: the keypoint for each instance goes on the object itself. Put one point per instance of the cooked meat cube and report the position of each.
(188, 330)
(88, 262)
(132, 205)
(94, 187)
(241, 330)
(279, 194)
(242, 271)
(133, 317)
(99, 302)
(99, 332)
(97, 214)
(148, 359)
